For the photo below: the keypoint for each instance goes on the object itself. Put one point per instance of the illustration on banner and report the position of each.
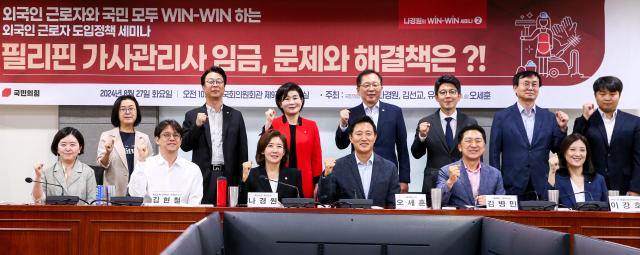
(550, 49)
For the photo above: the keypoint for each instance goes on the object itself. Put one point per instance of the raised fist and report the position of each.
(201, 119)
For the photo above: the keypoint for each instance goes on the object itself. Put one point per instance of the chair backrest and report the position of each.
(188, 243)
(504, 237)
(587, 245)
(99, 173)
(210, 231)
(337, 234)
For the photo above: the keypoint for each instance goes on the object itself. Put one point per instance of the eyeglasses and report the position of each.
(452, 92)
(215, 82)
(367, 85)
(128, 109)
(168, 136)
(532, 85)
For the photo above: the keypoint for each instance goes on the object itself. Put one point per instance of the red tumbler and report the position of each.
(221, 192)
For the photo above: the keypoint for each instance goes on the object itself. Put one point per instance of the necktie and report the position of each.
(448, 135)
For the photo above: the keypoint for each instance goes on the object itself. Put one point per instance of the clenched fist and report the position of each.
(269, 115)
(201, 119)
(563, 119)
(328, 166)
(344, 118)
(38, 169)
(143, 151)
(246, 168)
(553, 164)
(423, 128)
(108, 147)
(587, 110)
(454, 174)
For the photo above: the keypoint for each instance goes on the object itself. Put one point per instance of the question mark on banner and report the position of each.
(476, 52)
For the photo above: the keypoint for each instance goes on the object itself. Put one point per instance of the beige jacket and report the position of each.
(81, 182)
(117, 171)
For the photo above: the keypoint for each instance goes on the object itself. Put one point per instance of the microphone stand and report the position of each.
(296, 202)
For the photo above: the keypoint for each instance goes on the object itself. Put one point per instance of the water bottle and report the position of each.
(100, 195)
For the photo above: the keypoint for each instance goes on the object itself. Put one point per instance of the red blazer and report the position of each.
(308, 149)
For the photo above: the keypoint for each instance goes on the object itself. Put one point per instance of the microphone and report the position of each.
(535, 205)
(591, 205)
(284, 184)
(297, 202)
(57, 200)
(355, 202)
(29, 180)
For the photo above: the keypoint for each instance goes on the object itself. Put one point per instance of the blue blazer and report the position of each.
(511, 152)
(595, 190)
(460, 193)
(618, 162)
(345, 183)
(392, 136)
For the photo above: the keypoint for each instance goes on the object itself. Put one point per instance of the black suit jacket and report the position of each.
(234, 147)
(435, 146)
(345, 182)
(618, 161)
(392, 136)
(255, 183)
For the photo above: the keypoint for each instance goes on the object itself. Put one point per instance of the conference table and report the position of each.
(59, 229)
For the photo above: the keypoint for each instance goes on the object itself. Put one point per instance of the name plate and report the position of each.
(624, 204)
(262, 199)
(502, 202)
(166, 198)
(411, 201)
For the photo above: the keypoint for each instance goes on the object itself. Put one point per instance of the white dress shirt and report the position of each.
(365, 169)
(372, 112)
(155, 175)
(579, 197)
(609, 124)
(454, 122)
(215, 127)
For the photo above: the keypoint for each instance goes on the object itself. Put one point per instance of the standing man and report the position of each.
(392, 133)
(522, 136)
(439, 142)
(216, 133)
(362, 174)
(614, 137)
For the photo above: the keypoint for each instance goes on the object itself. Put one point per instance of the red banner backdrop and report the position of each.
(312, 42)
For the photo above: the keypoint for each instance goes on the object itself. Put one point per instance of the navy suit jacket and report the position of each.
(345, 182)
(619, 161)
(255, 183)
(461, 193)
(595, 190)
(511, 152)
(234, 147)
(392, 136)
(435, 146)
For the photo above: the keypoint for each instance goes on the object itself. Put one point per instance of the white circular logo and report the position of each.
(478, 20)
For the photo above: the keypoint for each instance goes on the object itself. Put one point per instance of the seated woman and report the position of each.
(271, 155)
(120, 147)
(75, 177)
(573, 175)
